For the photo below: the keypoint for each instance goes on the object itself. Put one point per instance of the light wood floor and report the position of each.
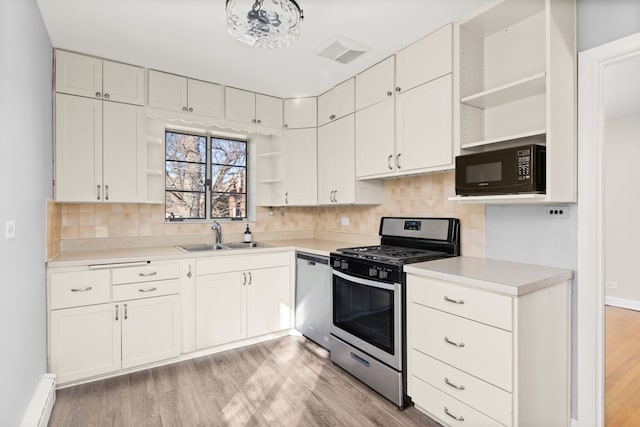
(284, 382)
(622, 372)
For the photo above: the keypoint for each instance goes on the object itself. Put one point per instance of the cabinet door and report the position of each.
(268, 301)
(424, 126)
(205, 99)
(150, 330)
(220, 309)
(426, 59)
(123, 83)
(124, 157)
(375, 84)
(326, 164)
(239, 105)
(336, 103)
(167, 91)
(84, 341)
(375, 137)
(78, 153)
(300, 167)
(300, 113)
(78, 74)
(345, 167)
(269, 111)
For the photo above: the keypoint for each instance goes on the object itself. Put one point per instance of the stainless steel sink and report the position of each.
(226, 246)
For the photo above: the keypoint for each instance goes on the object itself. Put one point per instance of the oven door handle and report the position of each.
(365, 282)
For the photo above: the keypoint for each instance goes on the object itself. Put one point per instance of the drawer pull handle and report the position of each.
(117, 309)
(88, 288)
(126, 316)
(446, 411)
(153, 273)
(148, 290)
(455, 301)
(448, 341)
(244, 278)
(360, 359)
(450, 384)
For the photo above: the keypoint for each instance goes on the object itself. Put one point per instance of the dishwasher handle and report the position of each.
(312, 259)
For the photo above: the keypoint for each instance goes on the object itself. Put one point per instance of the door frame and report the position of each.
(592, 65)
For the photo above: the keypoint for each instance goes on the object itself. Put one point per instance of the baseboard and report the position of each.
(631, 304)
(42, 401)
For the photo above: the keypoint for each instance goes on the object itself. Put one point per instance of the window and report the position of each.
(205, 177)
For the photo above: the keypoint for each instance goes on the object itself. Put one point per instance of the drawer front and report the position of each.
(78, 288)
(145, 273)
(481, 306)
(476, 393)
(146, 290)
(225, 264)
(475, 348)
(449, 411)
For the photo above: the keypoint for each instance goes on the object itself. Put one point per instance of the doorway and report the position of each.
(609, 100)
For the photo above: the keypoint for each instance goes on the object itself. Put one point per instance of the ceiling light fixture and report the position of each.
(269, 24)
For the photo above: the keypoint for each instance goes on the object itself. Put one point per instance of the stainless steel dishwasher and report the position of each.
(313, 297)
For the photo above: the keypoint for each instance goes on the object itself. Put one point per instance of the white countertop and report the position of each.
(505, 277)
(112, 256)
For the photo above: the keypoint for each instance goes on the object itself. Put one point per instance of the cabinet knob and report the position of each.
(184, 109)
(389, 93)
(259, 121)
(398, 89)
(190, 109)
(107, 96)
(286, 125)
(98, 95)
(253, 120)
(331, 117)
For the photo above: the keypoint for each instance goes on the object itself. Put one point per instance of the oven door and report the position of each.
(368, 315)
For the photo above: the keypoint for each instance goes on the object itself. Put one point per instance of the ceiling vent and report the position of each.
(341, 49)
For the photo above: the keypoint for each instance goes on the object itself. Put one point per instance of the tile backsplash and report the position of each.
(81, 225)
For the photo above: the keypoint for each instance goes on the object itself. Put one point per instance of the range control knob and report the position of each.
(383, 274)
(373, 272)
(344, 265)
(336, 263)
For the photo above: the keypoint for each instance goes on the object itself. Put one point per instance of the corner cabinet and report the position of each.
(183, 95)
(517, 86)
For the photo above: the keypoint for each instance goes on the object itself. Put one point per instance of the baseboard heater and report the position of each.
(41, 406)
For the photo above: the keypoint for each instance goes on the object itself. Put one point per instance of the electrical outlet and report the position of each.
(345, 220)
(9, 229)
(556, 212)
(612, 285)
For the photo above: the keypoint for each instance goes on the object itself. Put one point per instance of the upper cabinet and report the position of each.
(300, 113)
(180, 94)
(517, 85)
(99, 79)
(404, 117)
(249, 107)
(337, 102)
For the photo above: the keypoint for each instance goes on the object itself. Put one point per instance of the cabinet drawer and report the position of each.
(481, 350)
(468, 389)
(146, 290)
(447, 409)
(223, 264)
(78, 288)
(481, 306)
(145, 273)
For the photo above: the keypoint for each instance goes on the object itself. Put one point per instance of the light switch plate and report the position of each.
(345, 220)
(9, 229)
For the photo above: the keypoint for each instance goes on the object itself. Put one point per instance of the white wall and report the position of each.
(602, 21)
(25, 184)
(622, 206)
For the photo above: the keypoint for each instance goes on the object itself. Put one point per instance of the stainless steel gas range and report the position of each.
(368, 299)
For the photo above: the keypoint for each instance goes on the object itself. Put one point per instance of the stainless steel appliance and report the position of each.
(313, 297)
(368, 299)
(508, 171)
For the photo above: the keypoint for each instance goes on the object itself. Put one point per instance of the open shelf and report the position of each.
(523, 88)
(156, 172)
(270, 181)
(523, 138)
(270, 154)
(500, 199)
(157, 141)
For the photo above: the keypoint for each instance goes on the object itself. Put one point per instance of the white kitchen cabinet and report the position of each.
(376, 84)
(375, 139)
(180, 94)
(489, 358)
(336, 167)
(100, 151)
(249, 107)
(300, 162)
(337, 102)
(516, 81)
(300, 113)
(99, 79)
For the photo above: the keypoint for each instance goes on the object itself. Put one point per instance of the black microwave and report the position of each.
(515, 170)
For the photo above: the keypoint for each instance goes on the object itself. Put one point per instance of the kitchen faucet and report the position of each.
(218, 232)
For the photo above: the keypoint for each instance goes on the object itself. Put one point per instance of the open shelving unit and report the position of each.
(516, 67)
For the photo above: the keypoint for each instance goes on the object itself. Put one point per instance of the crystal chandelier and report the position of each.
(269, 24)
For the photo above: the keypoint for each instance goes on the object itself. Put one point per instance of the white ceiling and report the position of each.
(188, 37)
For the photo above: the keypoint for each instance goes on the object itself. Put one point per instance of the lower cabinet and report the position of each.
(242, 304)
